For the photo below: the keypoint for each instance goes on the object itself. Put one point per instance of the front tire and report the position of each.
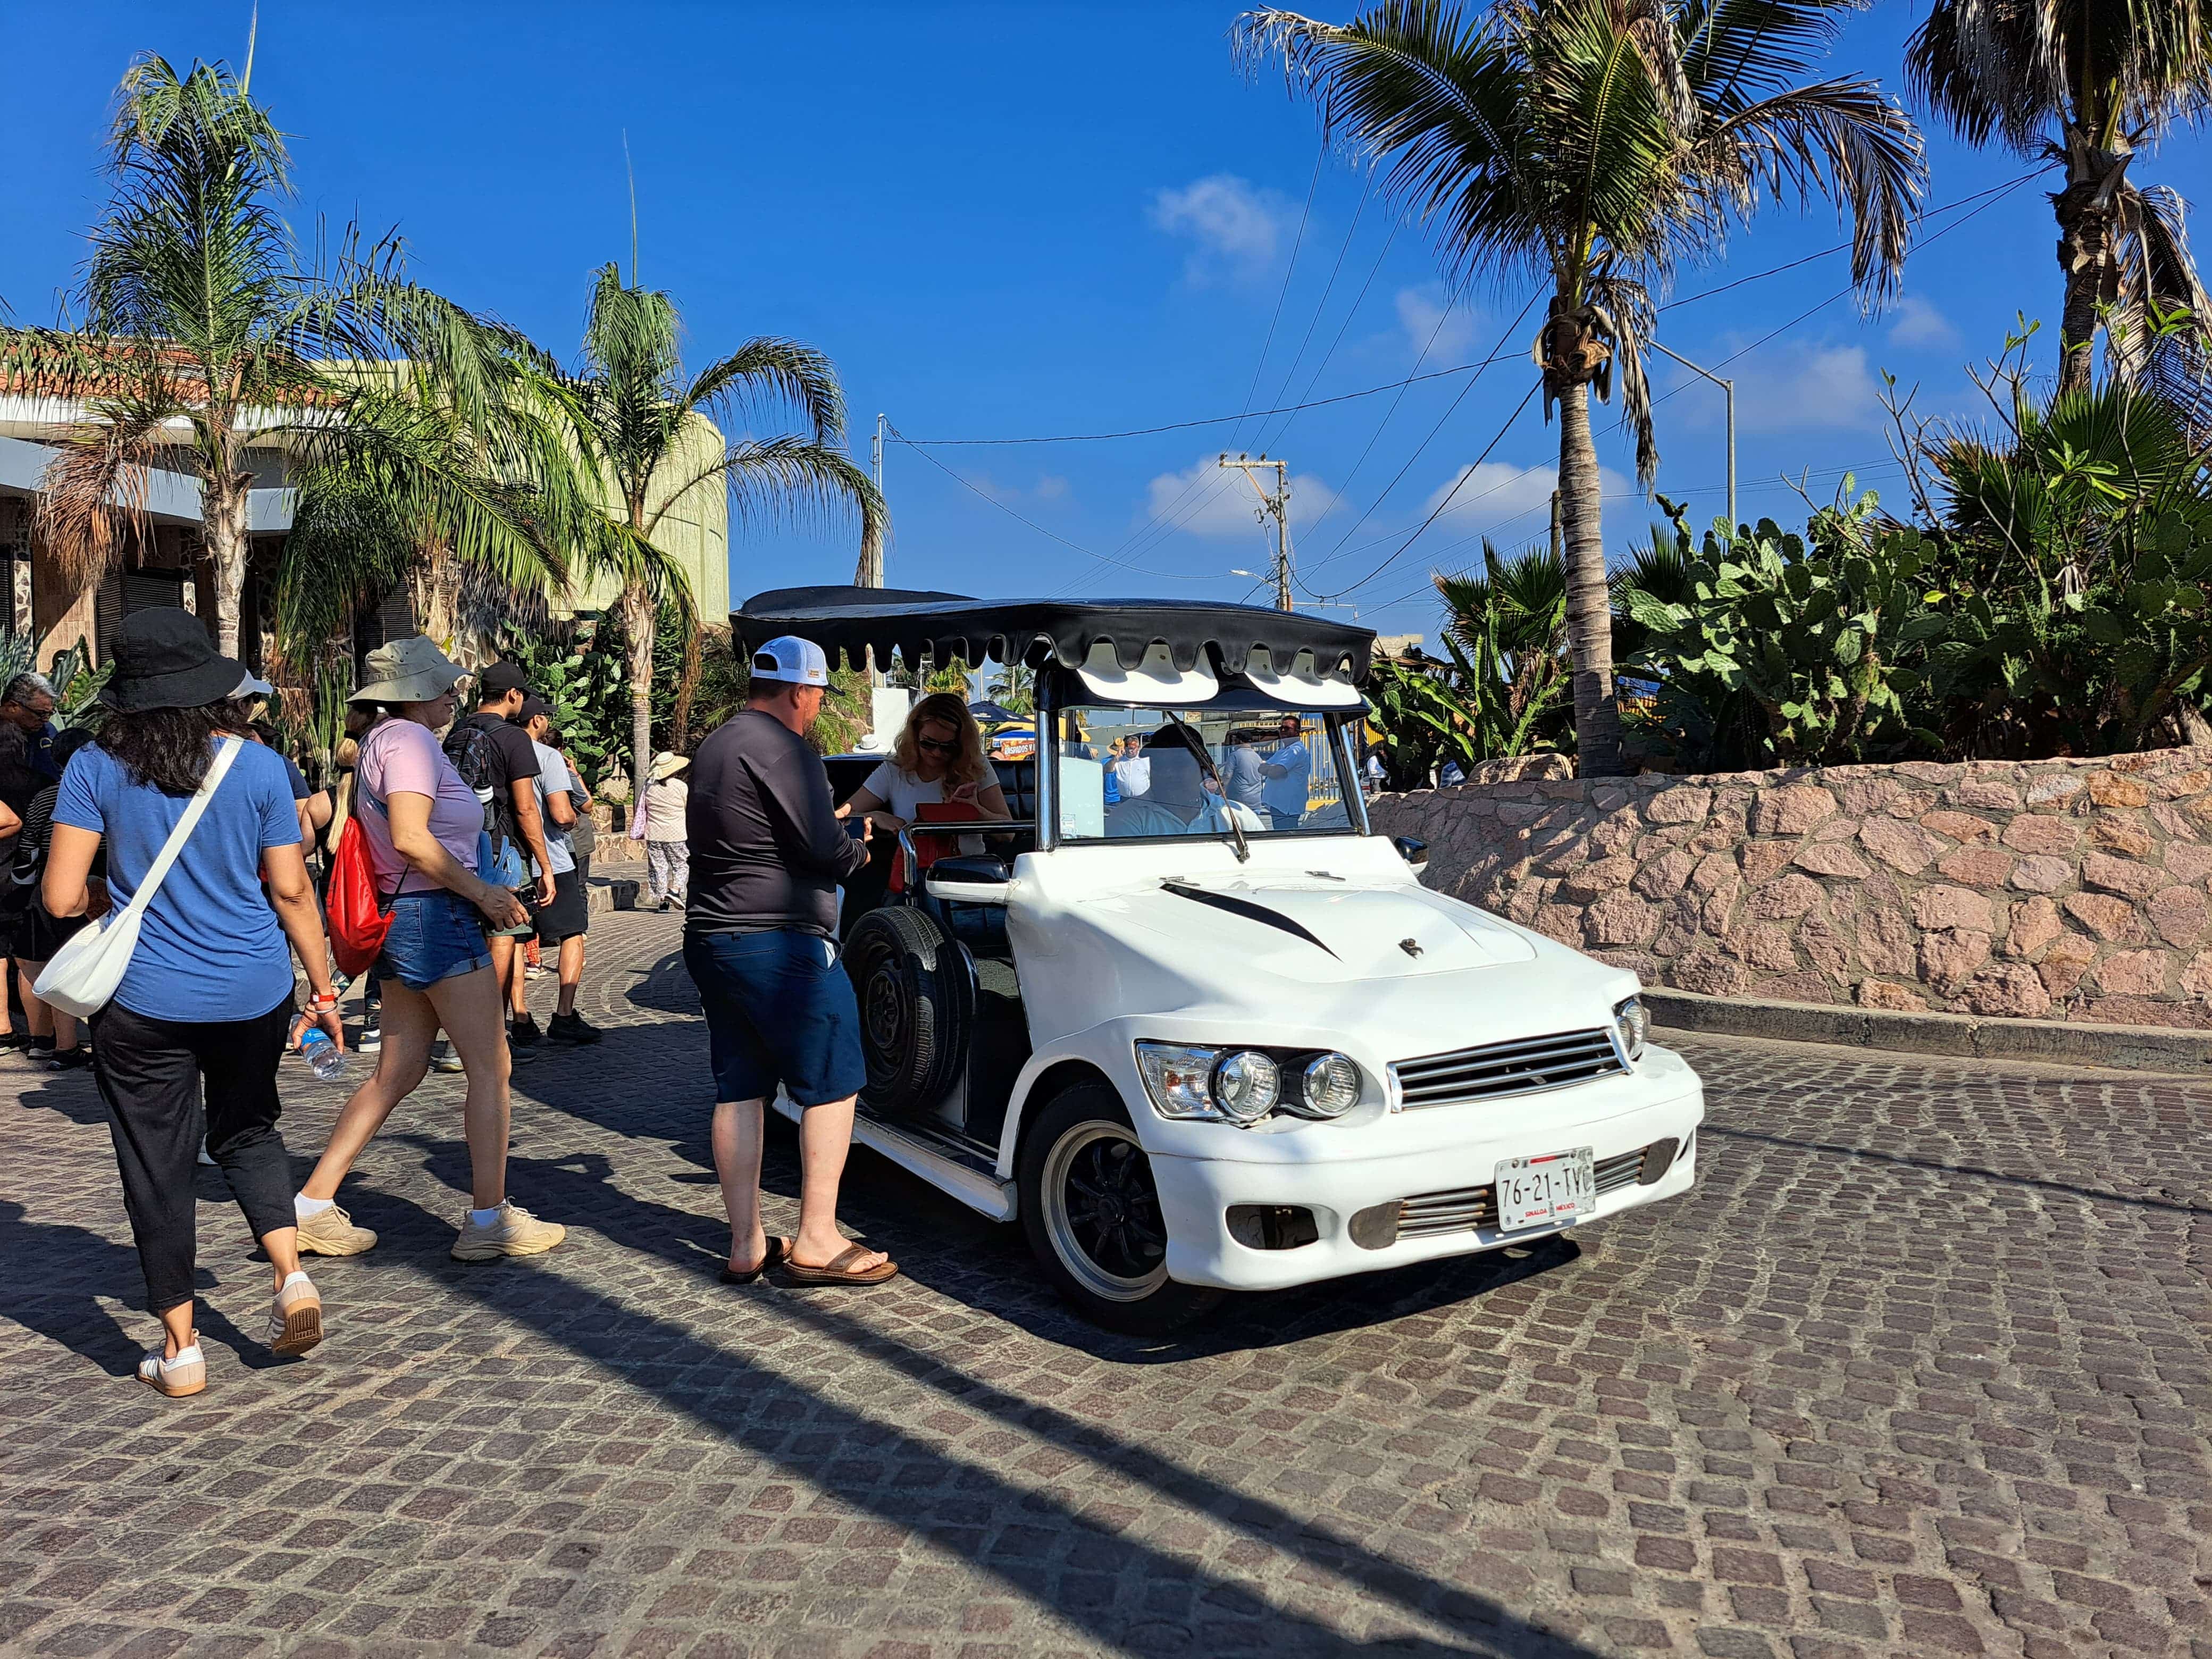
(1092, 1216)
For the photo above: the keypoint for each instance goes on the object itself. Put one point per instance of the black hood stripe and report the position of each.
(1245, 907)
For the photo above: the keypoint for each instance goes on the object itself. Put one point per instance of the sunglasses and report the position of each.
(935, 747)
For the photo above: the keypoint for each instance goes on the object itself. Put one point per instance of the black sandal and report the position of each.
(778, 1248)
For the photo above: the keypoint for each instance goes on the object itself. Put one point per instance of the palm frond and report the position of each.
(1442, 99)
(92, 499)
(1841, 139)
(767, 372)
(2159, 292)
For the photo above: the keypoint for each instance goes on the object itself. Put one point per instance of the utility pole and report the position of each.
(1276, 507)
(1727, 387)
(871, 569)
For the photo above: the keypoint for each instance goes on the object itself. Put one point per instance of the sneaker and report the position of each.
(572, 1028)
(442, 1057)
(186, 1374)
(522, 1033)
(42, 1048)
(332, 1233)
(536, 970)
(513, 1231)
(203, 1157)
(68, 1059)
(295, 1316)
(371, 1039)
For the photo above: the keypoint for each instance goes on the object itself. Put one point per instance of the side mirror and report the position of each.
(1413, 850)
(970, 878)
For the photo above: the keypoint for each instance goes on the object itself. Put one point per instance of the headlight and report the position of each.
(1634, 1024)
(1180, 1079)
(1329, 1086)
(1246, 1085)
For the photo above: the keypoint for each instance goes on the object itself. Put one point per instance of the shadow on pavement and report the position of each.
(879, 1468)
(58, 1274)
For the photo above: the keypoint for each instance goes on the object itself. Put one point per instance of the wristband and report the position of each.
(320, 1004)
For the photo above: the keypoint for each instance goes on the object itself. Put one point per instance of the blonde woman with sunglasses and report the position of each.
(938, 758)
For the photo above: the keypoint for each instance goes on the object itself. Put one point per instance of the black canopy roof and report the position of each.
(845, 621)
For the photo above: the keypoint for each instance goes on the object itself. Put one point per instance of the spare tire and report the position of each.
(917, 1006)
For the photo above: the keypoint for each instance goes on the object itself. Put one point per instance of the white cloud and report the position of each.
(1432, 321)
(1919, 324)
(1235, 226)
(1782, 388)
(1209, 500)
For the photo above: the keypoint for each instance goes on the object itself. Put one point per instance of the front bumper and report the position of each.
(1196, 1193)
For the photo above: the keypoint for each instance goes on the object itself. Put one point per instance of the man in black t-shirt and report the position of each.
(767, 855)
(501, 752)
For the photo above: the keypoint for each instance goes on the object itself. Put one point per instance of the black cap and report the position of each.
(532, 706)
(501, 678)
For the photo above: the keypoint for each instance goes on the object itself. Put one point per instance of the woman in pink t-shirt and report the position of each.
(422, 821)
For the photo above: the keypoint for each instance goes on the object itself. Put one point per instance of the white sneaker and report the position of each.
(203, 1157)
(295, 1316)
(513, 1231)
(442, 1057)
(187, 1374)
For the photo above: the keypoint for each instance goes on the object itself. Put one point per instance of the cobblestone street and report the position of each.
(1924, 1366)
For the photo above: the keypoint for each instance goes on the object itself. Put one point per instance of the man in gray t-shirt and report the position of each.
(768, 851)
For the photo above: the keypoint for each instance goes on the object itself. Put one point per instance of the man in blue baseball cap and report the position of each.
(768, 851)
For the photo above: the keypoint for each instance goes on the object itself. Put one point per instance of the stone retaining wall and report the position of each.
(2061, 888)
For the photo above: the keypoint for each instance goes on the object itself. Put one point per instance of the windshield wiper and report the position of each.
(1196, 744)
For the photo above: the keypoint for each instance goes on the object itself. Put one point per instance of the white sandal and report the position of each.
(186, 1374)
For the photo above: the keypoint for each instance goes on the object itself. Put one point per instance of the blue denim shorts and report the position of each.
(433, 937)
(780, 1011)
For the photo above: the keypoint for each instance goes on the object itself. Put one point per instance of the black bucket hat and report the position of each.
(164, 659)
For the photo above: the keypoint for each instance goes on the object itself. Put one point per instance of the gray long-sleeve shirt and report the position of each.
(768, 848)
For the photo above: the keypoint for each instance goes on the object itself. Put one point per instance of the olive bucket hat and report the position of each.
(412, 670)
(164, 659)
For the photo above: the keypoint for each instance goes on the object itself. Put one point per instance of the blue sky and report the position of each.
(1020, 221)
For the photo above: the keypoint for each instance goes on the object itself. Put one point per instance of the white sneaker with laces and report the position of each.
(513, 1231)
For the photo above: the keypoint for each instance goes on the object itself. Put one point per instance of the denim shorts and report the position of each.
(779, 1011)
(433, 937)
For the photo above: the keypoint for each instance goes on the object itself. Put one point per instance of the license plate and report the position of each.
(1546, 1192)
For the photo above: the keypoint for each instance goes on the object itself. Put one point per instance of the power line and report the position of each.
(1337, 547)
(1449, 494)
(1289, 271)
(1434, 374)
(1320, 305)
(1342, 328)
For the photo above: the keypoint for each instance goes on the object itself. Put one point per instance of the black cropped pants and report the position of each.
(150, 1072)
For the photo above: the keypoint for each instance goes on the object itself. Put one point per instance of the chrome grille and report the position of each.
(1463, 1209)
(1499, 1069)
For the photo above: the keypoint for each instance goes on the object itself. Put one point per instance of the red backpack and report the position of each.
(356, 918)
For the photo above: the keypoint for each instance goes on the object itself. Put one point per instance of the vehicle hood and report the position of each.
(1313, 927)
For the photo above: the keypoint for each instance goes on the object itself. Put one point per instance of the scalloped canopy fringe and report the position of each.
(849, 623)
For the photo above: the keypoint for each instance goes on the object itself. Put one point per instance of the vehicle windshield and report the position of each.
(1197, 773)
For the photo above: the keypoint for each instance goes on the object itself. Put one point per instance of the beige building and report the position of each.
(162, 564)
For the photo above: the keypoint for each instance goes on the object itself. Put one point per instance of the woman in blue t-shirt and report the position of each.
(207, 999)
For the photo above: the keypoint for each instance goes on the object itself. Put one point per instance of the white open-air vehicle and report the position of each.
(1190, 1048)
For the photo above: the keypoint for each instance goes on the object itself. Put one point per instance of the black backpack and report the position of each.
(469, 746)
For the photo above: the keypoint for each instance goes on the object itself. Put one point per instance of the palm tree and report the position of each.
(1510, 621)
(2086, 82)
(636, 421)
(1593, 145)
(205, 343)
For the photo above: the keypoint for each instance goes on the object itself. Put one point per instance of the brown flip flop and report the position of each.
(778, 1248)
(839, 1271)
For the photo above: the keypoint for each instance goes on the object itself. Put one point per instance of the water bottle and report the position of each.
(323, 1054)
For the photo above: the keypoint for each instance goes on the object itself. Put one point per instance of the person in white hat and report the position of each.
(767, 853)
(667, 854)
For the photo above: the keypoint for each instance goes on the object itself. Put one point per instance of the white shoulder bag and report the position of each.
(86, 970)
